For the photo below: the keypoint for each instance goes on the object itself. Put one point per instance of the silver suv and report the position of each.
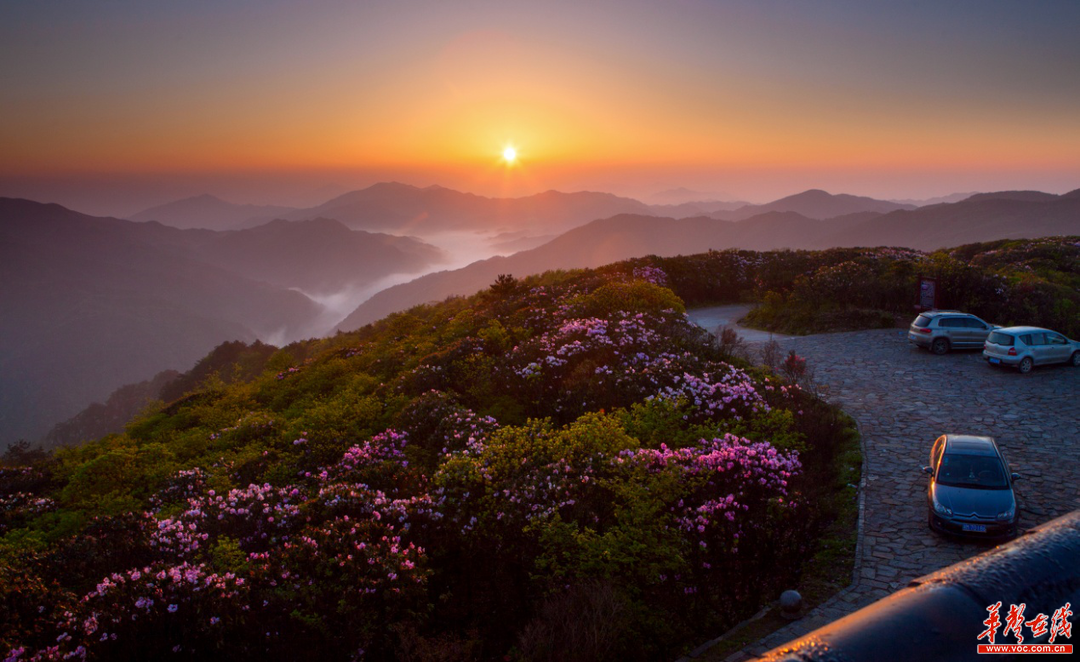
(942, 330)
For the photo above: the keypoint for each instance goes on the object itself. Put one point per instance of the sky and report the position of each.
(113, 106)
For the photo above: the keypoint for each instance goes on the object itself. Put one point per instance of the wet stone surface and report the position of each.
(903, 398)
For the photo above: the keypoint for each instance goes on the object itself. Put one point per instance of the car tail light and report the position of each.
(1012, 351)
(925, 331)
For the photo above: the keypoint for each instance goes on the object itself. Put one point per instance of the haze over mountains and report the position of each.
(209, 212)
(405, 209)
(94, 303)
(981, 218)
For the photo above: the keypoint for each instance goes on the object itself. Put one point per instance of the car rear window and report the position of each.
(922, 321)
(1001, 339)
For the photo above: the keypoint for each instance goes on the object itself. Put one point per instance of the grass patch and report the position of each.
(783, 316)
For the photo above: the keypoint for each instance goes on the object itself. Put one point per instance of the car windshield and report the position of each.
(979, 471)
(999, 338)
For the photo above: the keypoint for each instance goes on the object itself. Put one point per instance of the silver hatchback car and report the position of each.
(943, 330)
(1024, 347)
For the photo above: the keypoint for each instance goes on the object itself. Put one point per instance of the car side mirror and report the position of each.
(1015, 477)
(928, 471)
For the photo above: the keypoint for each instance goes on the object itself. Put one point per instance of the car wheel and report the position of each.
(1076, 359)
(1026, 365)
(939, 346)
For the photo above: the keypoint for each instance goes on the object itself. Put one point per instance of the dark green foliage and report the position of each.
(1030, 282)
(442, 484)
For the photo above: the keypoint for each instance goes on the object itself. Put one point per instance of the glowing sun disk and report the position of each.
(509, 154)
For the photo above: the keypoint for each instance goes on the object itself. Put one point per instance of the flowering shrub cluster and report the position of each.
(1006, 282)
(429, 482)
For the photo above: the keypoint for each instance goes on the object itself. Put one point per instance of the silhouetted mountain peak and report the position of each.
(205, 198)
(816, 204)
(403, 208)
(1015, 196)
(816, 195)
(206, 211)
(810, 194)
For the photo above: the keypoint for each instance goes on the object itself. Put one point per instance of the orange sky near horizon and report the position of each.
(428, 89)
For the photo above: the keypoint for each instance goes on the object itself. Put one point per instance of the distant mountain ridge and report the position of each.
(91, 303)
(209, 212)
(952, 197)
(1022, 196)
(815, 204)
(405, 209)
(402, 208)
(625, 236)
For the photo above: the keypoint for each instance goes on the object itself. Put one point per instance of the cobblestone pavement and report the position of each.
(903, 398)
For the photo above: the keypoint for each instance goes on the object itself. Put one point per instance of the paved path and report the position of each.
(711, 319)
(903, 398)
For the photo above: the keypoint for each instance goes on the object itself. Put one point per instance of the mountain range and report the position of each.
(93, 303)
(982, 217)
(405, 209)
(815, 203)
(209, 212)
(401, 208)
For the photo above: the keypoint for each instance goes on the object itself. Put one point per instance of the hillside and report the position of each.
(1009, 282)
(228, 362)
(93, 303)
(465, 477)
(626, 236)
(319, 256)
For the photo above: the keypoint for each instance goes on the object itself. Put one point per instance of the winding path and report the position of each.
(904, 398)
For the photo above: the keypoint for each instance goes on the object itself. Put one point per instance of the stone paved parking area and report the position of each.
(903, 398)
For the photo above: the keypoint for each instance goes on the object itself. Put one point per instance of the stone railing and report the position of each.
(940, 616)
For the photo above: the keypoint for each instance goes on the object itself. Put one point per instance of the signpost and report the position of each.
(927, 294)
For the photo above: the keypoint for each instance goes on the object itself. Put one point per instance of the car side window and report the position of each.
(1055, 339)
(1028, 340)
(1038, 339)
(949, 323)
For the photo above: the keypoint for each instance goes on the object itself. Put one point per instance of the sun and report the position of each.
(509, 154)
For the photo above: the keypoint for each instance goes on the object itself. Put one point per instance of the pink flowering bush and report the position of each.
(435, 481)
